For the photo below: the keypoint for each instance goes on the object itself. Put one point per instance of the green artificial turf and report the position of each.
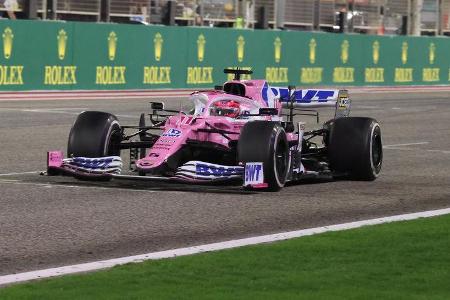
(406, 260)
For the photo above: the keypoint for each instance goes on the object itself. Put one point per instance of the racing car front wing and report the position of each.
(106, 168)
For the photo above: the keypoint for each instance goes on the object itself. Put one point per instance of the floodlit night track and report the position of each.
(55, 221)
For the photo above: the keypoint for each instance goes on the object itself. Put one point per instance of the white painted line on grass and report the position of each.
(98, 265)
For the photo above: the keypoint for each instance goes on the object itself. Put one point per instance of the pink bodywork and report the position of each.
(180, 128)
(55, 159)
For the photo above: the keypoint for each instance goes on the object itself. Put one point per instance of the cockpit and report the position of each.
(225, 108)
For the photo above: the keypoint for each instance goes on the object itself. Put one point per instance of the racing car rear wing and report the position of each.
(307, 99)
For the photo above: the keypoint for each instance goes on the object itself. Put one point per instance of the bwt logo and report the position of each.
(309, 95)
(253, 172)
(218, 171)
(172, 133)
(93, 163)
(301, 96)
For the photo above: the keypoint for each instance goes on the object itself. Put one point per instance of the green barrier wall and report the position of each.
(39, 55)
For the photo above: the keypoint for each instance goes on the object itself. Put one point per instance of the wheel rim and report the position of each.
(377, 150)
(281, 160)
(114, 140)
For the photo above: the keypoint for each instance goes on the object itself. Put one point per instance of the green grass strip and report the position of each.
(405, 260)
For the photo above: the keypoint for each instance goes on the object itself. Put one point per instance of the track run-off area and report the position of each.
(48, 222)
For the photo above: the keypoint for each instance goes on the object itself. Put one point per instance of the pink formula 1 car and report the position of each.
(242, 131)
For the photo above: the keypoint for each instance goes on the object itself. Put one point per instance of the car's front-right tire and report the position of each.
(94, 134)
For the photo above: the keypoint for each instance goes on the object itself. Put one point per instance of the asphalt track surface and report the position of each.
(55, 221)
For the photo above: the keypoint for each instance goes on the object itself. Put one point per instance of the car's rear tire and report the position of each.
(266, 142)
(355, 147)
(94, 134)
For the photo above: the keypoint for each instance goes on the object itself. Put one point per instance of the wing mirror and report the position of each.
(157, 105)
(268, 111)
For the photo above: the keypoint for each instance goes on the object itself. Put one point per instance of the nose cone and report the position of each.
(150, 165)
(163, 150)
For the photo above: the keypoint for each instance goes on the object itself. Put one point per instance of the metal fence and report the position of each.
(73, 7)
(369, 16)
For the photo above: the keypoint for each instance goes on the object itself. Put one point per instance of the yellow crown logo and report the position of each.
(201, 41)
(158, 45)
(312, 51)
(345, 46)
(404, 52)
(112, 45)
(277, 45)
(240, 48)
(432, 54)
(62, 44)
(376, 52)
(8, 39)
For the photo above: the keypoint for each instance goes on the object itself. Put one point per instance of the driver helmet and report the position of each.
(226, 108)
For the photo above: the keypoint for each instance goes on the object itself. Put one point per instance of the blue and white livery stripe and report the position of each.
(198, 170)
(110, 164)
(307, 96)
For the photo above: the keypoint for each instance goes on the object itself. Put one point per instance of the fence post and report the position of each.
(280, 10)
(51, 9)
(349, 23)
(30, 9)
(263, 18)
(316, 17)
(105, 9)
(439, 21)
(416, 13)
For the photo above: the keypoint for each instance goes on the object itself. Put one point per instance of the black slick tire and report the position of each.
(94, 134)
(266, 142)
(355, 147)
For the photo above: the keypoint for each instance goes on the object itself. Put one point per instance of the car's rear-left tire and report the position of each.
(266, 142)
(94, 134)
(355, 147)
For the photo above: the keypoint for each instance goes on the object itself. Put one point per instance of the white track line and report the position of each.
(53, 111)
(408, 144)
(50, 111)
(404, 147)
(21, 173)
(366, 106)
(401, 149)
(98, 265)
(140, 94)
(439, 151)
(93, 187)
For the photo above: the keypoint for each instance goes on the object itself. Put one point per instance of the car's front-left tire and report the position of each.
(94, 134)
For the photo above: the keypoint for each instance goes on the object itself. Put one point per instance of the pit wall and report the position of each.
(42, 55)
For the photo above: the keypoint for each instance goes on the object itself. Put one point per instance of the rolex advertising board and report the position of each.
(36, 55)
